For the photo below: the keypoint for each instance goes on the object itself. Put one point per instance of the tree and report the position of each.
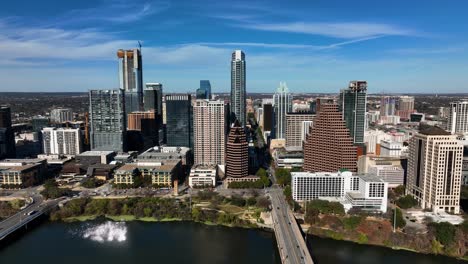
(399, 190)
(261, 172)
(312, 216)
(406, 202)
(263, 202)
(444, 232)
(251, 201)
(400, 221)
(283, 177)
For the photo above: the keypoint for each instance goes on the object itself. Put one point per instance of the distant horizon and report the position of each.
(420, 47)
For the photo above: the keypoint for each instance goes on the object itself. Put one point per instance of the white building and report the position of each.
(62, 141)
(458, 117)
(366, 192)
(203, 175)
(390, 148)
(394, 175)
(435, 170)
(60, 115)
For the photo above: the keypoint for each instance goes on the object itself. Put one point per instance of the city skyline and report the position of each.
(71, 47)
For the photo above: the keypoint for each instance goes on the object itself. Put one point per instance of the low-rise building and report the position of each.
(390, 148)
(288, 158)
(95, 157)
(183, 154)
(366, 192)
(22, 172)
(161, 173)
(203, 175)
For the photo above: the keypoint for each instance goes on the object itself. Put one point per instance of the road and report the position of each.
(292, 246)
(14, 222)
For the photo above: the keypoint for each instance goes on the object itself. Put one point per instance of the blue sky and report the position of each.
(314, 46)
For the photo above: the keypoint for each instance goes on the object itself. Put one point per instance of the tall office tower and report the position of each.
(387, 106)
(283, 105)
(458, 117)
(204, 92)
(296, 124)
(405, 107)
(328, 146)
(238, 93)
(237, 152)
(267, 117)
(179, 120)
(61, 115)
(134, 119)
(352, 105)
(322, 100)
(131, 78)
(145, 127)
(7, 136)
(153, 98)
(435, 170)
(61, 141)
(209, 132)
(107, 119)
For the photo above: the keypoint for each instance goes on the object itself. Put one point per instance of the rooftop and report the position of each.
(96, 153)
(433, 131)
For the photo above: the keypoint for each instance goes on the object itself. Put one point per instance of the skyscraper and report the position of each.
(352, 106)
(60, 115)
(238, 93)
(108, 121)
(153, 98)
(209, 132)
(387, 106)
(7, 137)
(268, 117)
(328, 146)
(204, 92)
(458, 117)
(296, 123)
(283, 105)
(435, 170)
(131, 78)
(61, 141)
(179, 120)
(237, 152)
(405, 107)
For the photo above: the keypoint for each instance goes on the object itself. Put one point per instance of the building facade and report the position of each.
(328, 146)
(238, 90)
(390, 148)
(297, 127)
(458, 117)
(161, 174)
(107, 119)
(131, 77)
(204, 92)
(153, 95)
(405, 106)
(268, 117)
(62, 141)
(179, 120)
(209, 132)
(435, 170)
(282, 105)
(366, 192)
(61, 115)
(387, 106)
(237, 153)
(203, 175)
(352, 104)
(22, 172)
(7, 136)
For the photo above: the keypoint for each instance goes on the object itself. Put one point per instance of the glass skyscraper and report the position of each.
(131, 78)
(179, 120)
(352, 104)
(153, 98)
(238, 93)
(108, 122)
(283, 105)
(204, 92)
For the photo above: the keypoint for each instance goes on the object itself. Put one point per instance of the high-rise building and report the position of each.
(352, 105)
(237, 152)
(328, 146)
(267, 117)
(204, 92)
(39, 122)
(179, 120)
(61, 141)
(134, 119)
(107, 119)
(61, 115)
(297, 126)
(405, 107)
(435, 170)
(148, 126)
(283, 105)
(131, 78)
(7, 136)
(153, 98)
(209, 132)
(458, 117)
(238, 93)
(387, 106)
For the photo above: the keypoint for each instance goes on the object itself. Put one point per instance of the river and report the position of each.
(181, 242)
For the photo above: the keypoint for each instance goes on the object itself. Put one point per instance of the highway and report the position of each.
(292, 246)
(21, 218)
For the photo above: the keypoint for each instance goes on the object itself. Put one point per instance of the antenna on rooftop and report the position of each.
(139, 45)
